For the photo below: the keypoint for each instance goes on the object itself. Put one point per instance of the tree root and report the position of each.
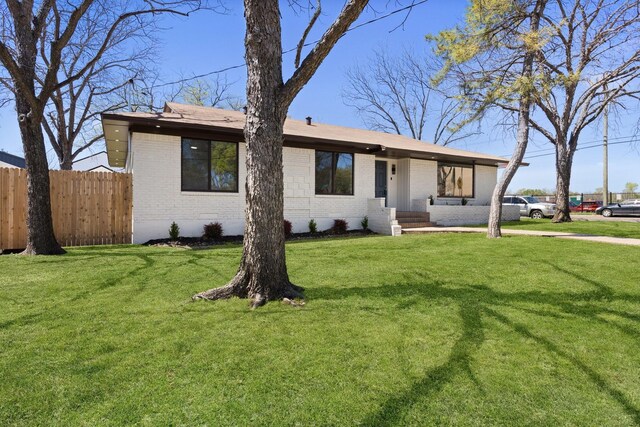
(239, 287)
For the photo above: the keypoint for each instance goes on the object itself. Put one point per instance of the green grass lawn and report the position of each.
(599, 228)
(448, 329)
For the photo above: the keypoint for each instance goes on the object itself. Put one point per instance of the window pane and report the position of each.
(466, 187)
(324, 166)
(455, 181)
(344, 173)
(445, 183)
(224, 166)
(195, 163)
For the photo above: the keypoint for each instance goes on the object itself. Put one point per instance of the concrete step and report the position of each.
(418, 224)
(412, 219)
(408, 214)
(419, 230)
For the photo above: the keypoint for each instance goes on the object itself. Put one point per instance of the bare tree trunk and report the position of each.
(564, 160)
(65, 158)
(40, 237)
(495, 215)
(522, 139)
(262, 275)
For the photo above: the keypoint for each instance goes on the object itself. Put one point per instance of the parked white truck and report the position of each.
(530, 206)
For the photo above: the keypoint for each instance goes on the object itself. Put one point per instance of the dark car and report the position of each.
(624, 208)
(590, 206)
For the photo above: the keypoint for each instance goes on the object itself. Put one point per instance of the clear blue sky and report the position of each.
(207, 41)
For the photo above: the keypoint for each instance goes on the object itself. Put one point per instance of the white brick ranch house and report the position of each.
(188, 166)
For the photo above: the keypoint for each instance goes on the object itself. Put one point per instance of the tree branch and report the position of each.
(312, 61)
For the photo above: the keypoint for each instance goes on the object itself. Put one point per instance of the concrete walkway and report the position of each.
(506, 231)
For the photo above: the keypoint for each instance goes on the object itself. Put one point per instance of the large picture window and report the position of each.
(455, 180)
(209, 165)
(334, 173)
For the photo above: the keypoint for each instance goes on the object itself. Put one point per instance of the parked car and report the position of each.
(624, 208)
(530, 206)
(589, 206)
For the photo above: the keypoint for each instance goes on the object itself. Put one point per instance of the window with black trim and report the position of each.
(334, 173)
(455, 180)
(209, 165)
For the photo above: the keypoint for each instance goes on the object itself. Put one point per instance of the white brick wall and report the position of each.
(382, 220)
(468, 215)
(158, 199)
(424, 179)
(486, 180)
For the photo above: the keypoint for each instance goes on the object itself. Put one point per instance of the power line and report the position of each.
(244, 64)
(585, 147)
(627, 138)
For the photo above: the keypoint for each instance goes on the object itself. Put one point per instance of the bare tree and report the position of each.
(72, 117)
(492, 59)
(214, 92)
(37, 36)
(262, 275)
(396, 95)
(587, 59)
(590, 61)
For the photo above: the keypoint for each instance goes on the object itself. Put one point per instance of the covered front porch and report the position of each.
(416, 192)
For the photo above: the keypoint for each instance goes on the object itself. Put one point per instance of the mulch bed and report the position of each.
(203, 243)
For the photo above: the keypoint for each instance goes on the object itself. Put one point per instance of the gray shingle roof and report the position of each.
(12, 160)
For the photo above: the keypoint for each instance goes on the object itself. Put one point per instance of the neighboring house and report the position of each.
(188, 166)
(100, 168)
(10, 161)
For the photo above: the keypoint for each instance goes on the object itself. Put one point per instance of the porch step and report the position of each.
(419, 230)
(408, 219)
(418, 224)
(423, 216)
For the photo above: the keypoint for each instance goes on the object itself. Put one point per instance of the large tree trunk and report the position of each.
(66, 162)
(564, 160)
(522, 139)
(40, 237)
(262, 275)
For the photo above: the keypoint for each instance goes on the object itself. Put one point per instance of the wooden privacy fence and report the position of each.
(89, 208)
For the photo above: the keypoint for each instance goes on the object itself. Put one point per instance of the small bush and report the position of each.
(174, 231)
(340, 226)
(313, 227)
(365, 223)
(287, 229)
(213, 231)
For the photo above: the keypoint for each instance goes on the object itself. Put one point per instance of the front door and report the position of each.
(381, 180)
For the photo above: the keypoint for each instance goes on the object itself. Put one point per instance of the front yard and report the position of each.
(598, 228)
(431, 329)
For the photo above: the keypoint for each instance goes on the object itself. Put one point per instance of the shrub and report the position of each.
(313, 227)
(174, 231)
(287, 229)
(213, 231)
(365, 223)
(340, 226)
(464, 202)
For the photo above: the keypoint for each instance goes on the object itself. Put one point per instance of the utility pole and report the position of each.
(605, 155)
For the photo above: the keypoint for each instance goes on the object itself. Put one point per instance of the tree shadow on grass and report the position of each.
(148, 262)
(595, 378)
(478, 301)
(27, 319)
(458, 363)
